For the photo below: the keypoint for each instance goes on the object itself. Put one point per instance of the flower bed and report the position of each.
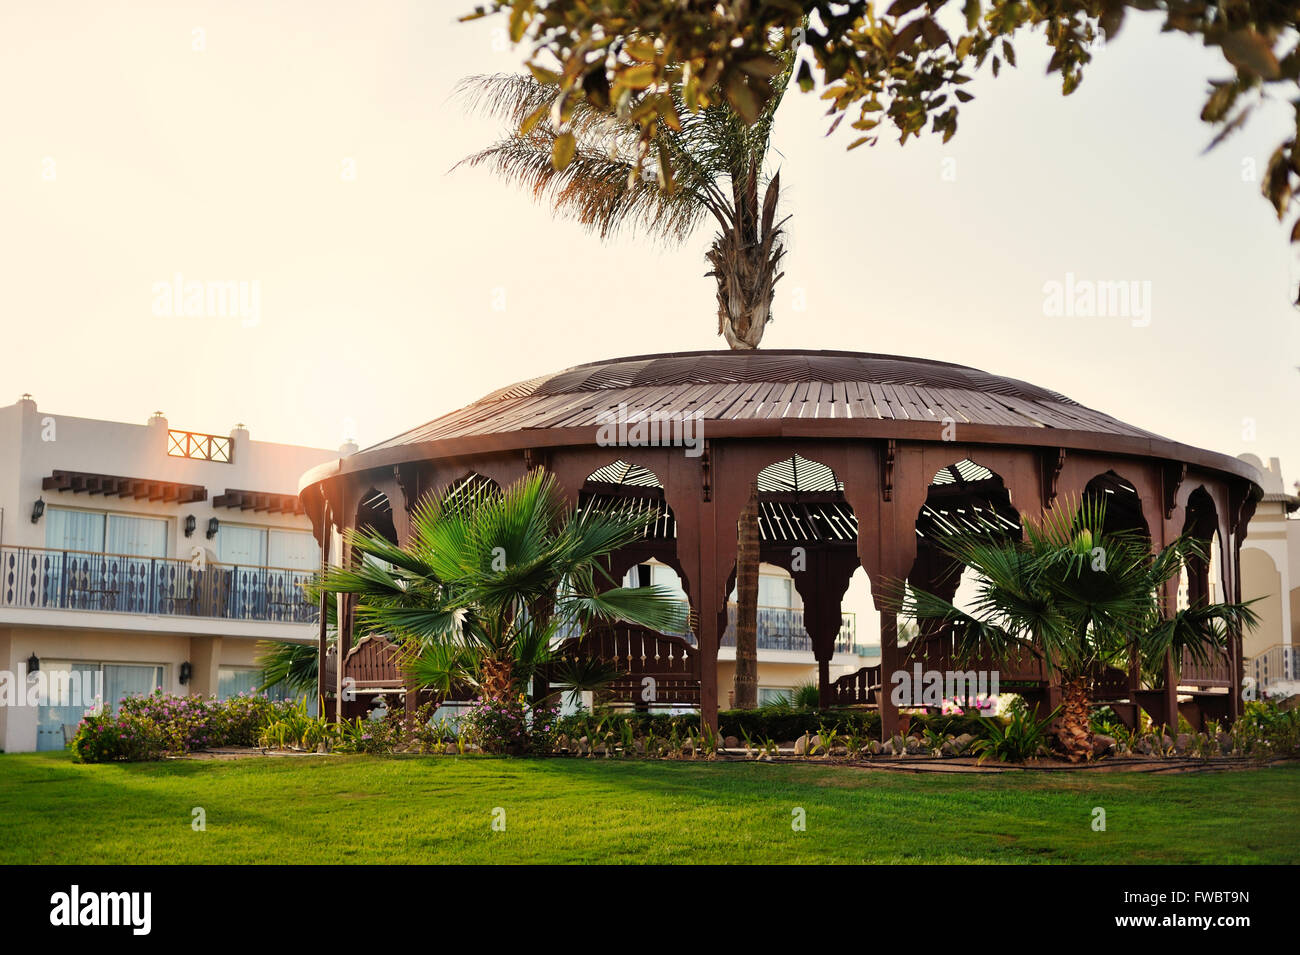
(161, 724)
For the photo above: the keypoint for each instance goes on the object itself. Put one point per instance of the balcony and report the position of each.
(36, 578)
(781, 628)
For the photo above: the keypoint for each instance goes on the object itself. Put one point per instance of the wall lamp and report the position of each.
(190, 524)
(186, 672)
(37, 510)
(214, 525)
(33, 664)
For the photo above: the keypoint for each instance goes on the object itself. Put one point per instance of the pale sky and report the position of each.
(128, 156)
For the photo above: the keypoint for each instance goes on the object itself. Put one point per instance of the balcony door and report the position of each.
(101, 561)
(237, 544)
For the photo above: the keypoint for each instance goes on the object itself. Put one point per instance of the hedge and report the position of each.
(779, 725)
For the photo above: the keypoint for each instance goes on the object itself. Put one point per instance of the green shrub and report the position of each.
(1021, 738)
(1264, 728)
(109, 737)
(806, 696)
(977, 726)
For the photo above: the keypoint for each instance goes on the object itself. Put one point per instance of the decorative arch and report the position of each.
(628, 487)
(375, 512)
(1124, 507)
(1201, 523)
(468, 487)
(808, 528)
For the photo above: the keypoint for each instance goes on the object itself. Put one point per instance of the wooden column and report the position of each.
(889, 664)
(345, 505)
(1169, 695)
(322, 626)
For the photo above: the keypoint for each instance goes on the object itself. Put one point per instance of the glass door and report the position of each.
(57, 719)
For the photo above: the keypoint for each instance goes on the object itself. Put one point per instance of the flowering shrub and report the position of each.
(152, 726)
(190, 723)
(511, 726)
(107, 737)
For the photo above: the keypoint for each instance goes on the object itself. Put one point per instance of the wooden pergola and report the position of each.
(861, 460)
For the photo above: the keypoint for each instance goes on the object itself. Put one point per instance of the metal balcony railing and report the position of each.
(1280, 663)
(782, 628)
(33, 577)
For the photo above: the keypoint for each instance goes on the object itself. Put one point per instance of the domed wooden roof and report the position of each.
(787, 393)
(731, 385)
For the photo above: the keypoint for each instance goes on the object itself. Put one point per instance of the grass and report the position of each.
(440, 810)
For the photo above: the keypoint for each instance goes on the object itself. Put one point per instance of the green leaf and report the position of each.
(742, 98)
(638, 77)
(563, 149)
(536, 116)
(544, 76)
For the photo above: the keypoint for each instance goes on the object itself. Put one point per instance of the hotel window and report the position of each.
(771, 694)
(232, 681)
(266, 547)
(105, 533)
(293, 549)
(775, 591)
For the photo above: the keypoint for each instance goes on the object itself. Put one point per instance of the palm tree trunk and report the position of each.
(1075, 729)
(498, 678)
(746, 685)
(745, 258)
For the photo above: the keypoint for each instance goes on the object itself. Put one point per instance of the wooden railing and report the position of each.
(638, 652)
(938, 651)
(861, 688)
(38, 578)
(1216, 671)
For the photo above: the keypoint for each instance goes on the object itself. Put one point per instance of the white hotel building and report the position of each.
(141, 557)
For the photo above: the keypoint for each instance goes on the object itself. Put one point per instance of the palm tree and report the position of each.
(488, 581)
(586, 163)
(1081, 598)
(717, 161)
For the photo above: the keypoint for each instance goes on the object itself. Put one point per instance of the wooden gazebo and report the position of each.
(860, 459)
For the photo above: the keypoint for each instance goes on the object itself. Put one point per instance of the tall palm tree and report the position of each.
(718, 171)
(488, 581)
(582, 160)
(1081, 598)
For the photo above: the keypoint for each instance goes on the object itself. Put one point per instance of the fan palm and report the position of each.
(1081, 598)
(489, 581)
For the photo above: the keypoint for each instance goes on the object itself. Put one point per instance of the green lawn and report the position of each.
(440, 809)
